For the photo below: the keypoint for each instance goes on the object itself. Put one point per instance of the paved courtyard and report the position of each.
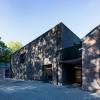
(35, 90)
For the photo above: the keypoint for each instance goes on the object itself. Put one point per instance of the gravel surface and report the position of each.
(36, 90)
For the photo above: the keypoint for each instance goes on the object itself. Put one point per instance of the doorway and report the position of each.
(47, 73)
(71, 74)
(78, 75)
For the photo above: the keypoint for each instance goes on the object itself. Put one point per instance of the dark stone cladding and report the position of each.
(91, 60)
(44, 50)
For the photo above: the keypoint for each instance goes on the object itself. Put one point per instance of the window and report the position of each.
(22, 58)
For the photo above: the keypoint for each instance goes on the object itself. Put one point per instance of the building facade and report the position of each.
(91, 60)
(52, 57)
(60, 57)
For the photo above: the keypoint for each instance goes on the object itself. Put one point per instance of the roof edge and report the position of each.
(60, 23)
(91, 31)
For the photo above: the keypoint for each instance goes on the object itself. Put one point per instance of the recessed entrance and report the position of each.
(78, 75)
(47, 73)
(71, 74)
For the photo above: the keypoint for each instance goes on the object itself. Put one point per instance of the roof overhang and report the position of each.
(72, 61)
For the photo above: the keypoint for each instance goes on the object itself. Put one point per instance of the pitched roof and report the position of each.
(59, 24)
(92, 31)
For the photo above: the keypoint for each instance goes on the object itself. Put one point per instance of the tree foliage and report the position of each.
(5, 52)
(14, 45)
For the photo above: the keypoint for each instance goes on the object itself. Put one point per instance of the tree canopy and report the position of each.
(7, 50)
(14, 45)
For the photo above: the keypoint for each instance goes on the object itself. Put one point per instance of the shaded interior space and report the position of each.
(72, 72)
(7, 73)
(47, 73)
(71, 62)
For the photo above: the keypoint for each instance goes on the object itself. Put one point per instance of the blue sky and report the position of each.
(24, 20)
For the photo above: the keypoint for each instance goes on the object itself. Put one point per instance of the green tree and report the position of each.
(5, 52)
(14, 45)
